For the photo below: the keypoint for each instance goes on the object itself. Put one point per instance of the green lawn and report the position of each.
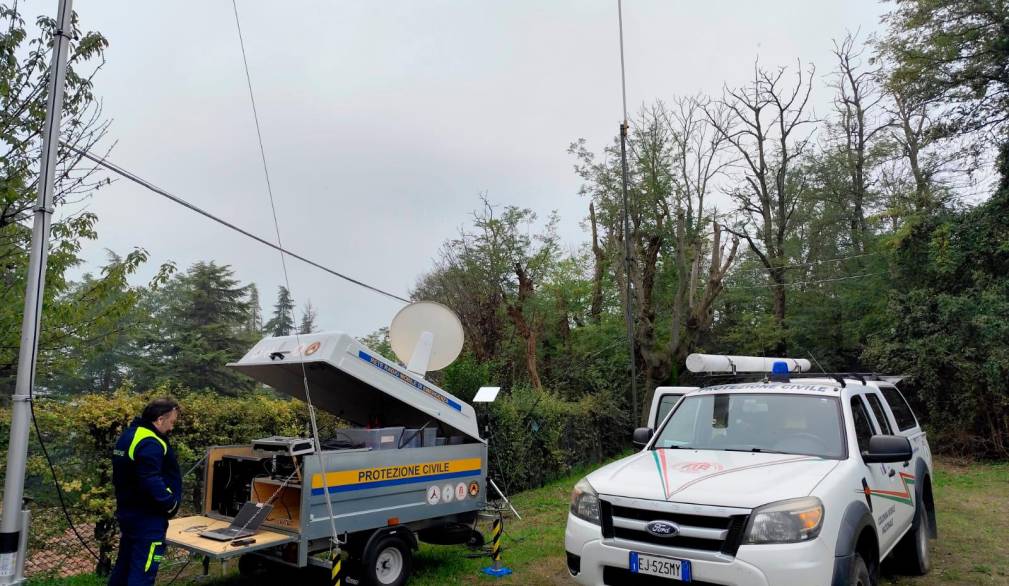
(972, 503)
(972, 500)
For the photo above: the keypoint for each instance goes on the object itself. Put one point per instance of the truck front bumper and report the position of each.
(793, 564)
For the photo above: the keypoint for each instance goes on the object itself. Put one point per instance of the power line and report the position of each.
(802, 282)
(762, 268)
(104, 162)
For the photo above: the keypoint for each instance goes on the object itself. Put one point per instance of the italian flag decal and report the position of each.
(901, 497)
(706, 469)
(660, 464)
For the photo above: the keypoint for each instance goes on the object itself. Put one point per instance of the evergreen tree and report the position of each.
(282, 322)
(308, 316)
(203, 326)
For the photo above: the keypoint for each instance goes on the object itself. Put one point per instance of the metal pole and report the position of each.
(12, 544)
(628, 306)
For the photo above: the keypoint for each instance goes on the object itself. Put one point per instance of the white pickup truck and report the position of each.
(804, 483)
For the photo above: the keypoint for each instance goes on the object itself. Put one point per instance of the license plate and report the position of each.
(663, 567)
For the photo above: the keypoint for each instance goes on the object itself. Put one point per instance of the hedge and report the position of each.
(534, 437)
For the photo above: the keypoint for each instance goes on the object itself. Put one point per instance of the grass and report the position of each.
(972, 502)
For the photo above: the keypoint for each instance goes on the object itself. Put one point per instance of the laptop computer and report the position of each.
(246, 523)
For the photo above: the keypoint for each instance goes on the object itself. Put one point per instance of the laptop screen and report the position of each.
(251, 516)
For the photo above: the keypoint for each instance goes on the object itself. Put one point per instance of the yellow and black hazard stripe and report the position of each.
(336, 576)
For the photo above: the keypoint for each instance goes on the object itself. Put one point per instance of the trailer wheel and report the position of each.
(250, 565)
(388, 562)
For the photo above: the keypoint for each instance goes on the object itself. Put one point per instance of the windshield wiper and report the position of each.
(753, 450)
(673, 448)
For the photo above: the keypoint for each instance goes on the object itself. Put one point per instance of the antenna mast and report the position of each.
(628, 314)
(13, 525)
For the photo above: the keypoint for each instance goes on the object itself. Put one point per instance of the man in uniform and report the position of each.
(148, 492)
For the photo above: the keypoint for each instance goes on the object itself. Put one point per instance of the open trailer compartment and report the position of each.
(423, 470)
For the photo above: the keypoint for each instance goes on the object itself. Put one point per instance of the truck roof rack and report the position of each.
(840, 377)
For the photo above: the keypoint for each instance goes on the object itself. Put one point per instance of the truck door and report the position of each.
(880, 483)
(905, 424)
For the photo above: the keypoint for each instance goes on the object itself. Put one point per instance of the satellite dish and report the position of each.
(426, 336)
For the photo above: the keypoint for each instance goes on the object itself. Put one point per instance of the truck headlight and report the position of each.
(791, 521)
(585, 502)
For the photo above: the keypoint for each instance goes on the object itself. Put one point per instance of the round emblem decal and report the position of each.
(312, 348)
(433, 495)
(663, 529)
(474, 489)
(447, 493)
(698, 467)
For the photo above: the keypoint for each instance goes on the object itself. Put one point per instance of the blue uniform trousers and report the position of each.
(139, 558)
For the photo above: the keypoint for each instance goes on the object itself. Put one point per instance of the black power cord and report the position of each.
(56, 481)
(182, 569)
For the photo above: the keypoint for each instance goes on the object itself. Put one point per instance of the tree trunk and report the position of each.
(778, 293)
(105, 535)
(526, 330)
(534, 375)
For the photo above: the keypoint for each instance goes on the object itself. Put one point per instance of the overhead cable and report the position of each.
(804, 282)
(104, 162)
(334, 539)
(761, 268)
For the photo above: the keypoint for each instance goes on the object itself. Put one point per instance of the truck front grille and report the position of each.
(700, 532)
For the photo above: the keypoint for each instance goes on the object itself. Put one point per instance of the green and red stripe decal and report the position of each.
(906, 496)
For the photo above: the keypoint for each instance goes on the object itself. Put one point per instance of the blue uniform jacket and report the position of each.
(147, 479)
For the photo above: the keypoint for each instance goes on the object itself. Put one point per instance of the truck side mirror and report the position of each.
(641, 436)
(887, 449)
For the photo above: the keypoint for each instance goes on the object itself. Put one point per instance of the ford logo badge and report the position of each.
(663, 529)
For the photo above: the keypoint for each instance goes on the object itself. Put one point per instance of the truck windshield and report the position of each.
(787, 424)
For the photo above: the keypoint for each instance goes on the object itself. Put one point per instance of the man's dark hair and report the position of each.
(157, 408)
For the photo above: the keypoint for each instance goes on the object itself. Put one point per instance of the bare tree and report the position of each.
(766, 128)
(699, 159)
(860, 122)
(676, 156)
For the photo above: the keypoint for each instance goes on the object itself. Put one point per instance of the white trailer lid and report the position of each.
(353, 382)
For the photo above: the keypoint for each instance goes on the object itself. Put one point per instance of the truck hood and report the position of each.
(711, 477)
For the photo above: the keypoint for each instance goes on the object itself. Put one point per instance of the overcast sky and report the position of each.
(384, 119)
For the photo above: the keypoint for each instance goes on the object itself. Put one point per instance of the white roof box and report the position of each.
(353, 382)
(734, 364)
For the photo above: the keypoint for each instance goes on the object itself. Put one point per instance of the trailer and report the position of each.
(411, 468)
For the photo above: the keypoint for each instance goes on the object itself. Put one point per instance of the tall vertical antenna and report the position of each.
(628, 313)
(13, 530)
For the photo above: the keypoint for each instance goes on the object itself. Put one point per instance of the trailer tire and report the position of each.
(388, 561)
(251, 566)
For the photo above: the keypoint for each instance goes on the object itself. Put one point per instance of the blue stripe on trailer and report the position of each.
(402, 376)
(396, 482)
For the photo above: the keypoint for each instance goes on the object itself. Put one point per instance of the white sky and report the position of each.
(384, 119)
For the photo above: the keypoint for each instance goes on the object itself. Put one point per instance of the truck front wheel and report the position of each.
(388, 562)
(859, 572)
(912, 552)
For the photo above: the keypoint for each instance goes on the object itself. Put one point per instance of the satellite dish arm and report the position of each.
(421, 357)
